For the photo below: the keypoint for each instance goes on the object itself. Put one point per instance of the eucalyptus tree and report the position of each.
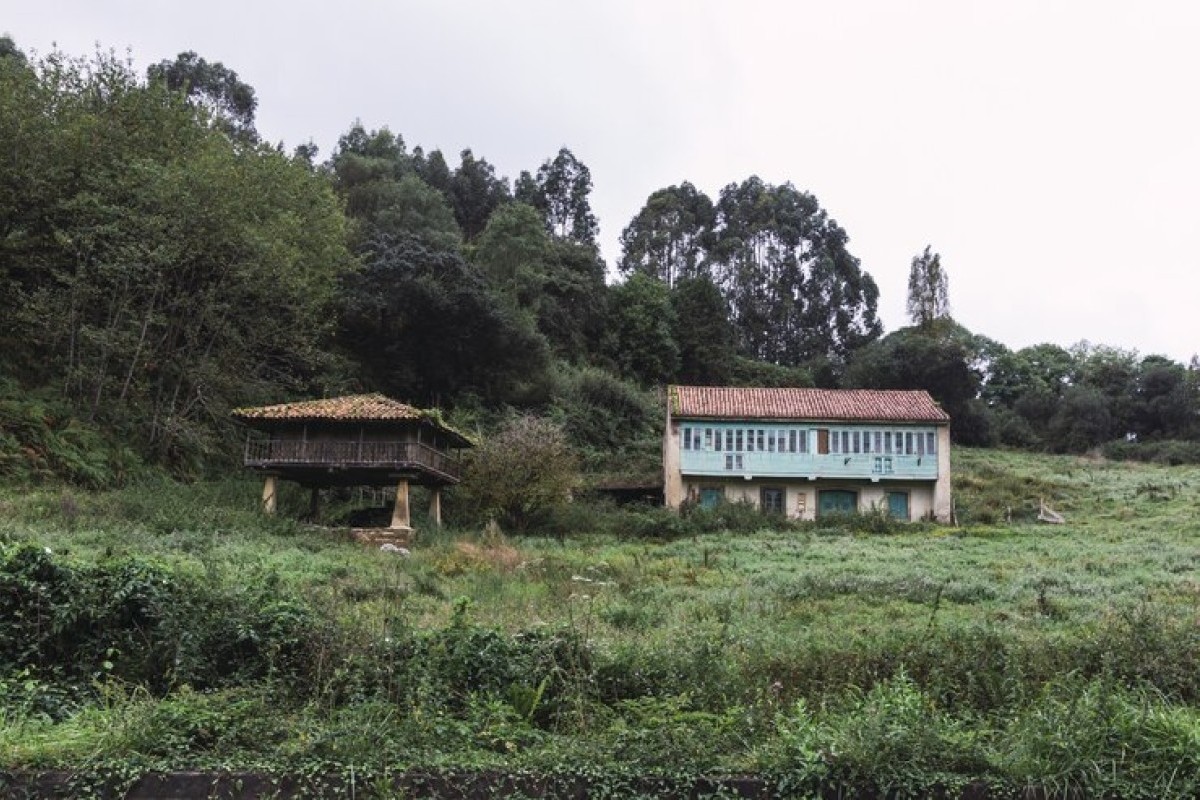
(213, 87)
(560, 191)
(670, 237)
(475, 192)
(794, 291)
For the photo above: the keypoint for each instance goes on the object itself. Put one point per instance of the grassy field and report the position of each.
(1002, 650)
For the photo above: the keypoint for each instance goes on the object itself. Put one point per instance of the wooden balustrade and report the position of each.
(349, 454)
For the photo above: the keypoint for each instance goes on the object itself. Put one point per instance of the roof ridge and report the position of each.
(805, 402)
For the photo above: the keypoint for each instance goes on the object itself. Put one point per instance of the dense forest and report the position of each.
(160, 265)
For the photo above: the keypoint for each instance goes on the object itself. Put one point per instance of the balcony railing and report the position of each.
(809, 465)
(350, 454)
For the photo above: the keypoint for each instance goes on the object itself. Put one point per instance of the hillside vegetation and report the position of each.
(163, 626)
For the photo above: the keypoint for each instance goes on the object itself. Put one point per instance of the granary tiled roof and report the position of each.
(350, 408)
(860, 405)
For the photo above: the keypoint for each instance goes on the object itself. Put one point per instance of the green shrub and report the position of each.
(41, 439)
(1169, 452)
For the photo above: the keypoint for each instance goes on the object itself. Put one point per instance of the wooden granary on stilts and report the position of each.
(359, 440)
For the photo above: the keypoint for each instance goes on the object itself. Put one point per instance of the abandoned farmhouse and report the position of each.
(808, 452)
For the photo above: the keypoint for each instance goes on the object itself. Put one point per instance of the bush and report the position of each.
(143, 625)
(1170, 452)
(42, 440)
(519, 475)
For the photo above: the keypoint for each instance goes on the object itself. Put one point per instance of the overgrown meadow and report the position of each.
(169, 626)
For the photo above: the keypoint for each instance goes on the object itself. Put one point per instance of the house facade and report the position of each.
(808, 453)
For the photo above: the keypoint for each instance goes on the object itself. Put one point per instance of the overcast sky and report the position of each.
(1050, 151)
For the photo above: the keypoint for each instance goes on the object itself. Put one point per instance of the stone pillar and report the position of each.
(435, 505)
(400, 517)
(942, 502)
(268, 494)
(672, 473)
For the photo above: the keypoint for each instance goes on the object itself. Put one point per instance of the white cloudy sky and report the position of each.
(1050, 151)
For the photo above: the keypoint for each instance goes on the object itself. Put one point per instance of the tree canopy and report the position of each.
(159, 265)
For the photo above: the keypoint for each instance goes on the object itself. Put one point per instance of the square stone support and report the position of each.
(268, 494)
(435, 506)
(400, 515)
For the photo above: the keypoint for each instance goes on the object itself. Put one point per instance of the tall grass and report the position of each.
(1014, 653)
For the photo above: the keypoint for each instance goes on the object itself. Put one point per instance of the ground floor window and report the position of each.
(771, 500)
(711, 496)
(836, 501)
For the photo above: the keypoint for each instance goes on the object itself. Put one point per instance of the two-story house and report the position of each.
(808, 452)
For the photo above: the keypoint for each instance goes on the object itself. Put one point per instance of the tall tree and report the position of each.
(702, 331)
(214, 87)
(796, 295)
(670, 237)
(9, 49)
(641, 323)
(385, 191)
(928, 289)
(160, 271)
(475, 193)
(423, 324)
(561, 192)
(938, 361)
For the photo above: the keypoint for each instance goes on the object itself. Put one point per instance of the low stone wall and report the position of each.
(376, 537)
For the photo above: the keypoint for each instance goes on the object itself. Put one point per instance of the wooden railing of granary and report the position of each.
(350, 454)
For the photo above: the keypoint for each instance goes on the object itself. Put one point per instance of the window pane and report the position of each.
(728, 461)
(737, 439)
(887, 441)
(920, 444)
(878, 441)
(708, 439)
(761, 438)
(931, 443)
(750, 440)
(908, 443)
(835, 443)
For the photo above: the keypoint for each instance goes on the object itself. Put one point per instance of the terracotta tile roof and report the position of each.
(874, 405)
(350, 408)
